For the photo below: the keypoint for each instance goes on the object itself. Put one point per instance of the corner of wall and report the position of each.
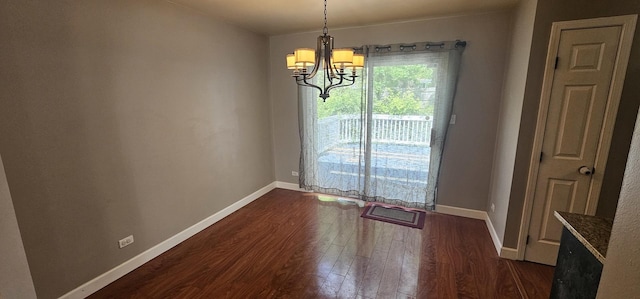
(514, 93)
(501, 251)
(15, 276)
(509, 253)
(497, 243)
(289, 186)
(114, 274)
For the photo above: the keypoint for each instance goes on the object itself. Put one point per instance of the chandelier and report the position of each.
(338, 66)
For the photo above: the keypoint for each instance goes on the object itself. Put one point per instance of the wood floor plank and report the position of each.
(331, 285)
(300, 247)
(366, 236)
(348, 254)
(373, 274)
(352, 284)
(408, 284)
(446, 281)
(427, 277)
(392, 270)
(535, 279)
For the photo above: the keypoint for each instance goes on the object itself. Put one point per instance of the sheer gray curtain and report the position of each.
(323, 162)
(383, 138)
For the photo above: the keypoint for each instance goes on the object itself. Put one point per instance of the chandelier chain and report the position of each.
(325, 30)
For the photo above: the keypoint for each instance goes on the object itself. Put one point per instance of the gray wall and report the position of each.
(124, 117)
(510, 108)
(621, 272)
(469, 150)
(15, 277)
(549, 11)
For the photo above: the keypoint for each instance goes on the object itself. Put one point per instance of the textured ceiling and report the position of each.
(273, 17)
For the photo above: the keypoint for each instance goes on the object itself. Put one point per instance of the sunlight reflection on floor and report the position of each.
(340, 200)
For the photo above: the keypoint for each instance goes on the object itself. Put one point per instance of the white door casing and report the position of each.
(584, 73)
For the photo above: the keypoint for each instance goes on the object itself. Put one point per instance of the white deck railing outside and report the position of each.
(392, 129)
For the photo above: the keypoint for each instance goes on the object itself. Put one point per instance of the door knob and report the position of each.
(585, 170)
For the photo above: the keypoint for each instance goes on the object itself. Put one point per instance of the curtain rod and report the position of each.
(413, 46)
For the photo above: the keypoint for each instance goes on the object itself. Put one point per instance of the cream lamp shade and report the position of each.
(305, 57)
(291, 62)
(358, 61)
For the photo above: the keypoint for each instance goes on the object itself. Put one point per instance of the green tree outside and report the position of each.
(397, 90)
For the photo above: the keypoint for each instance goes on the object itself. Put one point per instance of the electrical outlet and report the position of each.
(493, 208)
(126, 241)
(452, 121)
(294, 173)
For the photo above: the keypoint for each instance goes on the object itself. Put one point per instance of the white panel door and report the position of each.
(576, 112)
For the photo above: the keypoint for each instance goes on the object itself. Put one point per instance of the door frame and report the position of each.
(628, 23)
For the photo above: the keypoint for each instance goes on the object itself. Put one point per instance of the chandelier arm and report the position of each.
(350, 82)
(307, 84)
(337, 84)
(328, 73)
(351, 79)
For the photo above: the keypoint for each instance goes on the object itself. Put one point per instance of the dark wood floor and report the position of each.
(289, 244)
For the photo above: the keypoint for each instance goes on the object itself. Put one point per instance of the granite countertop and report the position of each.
(592, 231)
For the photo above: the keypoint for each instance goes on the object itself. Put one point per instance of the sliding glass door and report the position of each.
(374, 140)
(399, 117)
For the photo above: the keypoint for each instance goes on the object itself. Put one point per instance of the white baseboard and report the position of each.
(475, 214)
(494, 235)
(455, 211)
(112, 275)
(289, 186)
(509, 253)
(504, 252)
